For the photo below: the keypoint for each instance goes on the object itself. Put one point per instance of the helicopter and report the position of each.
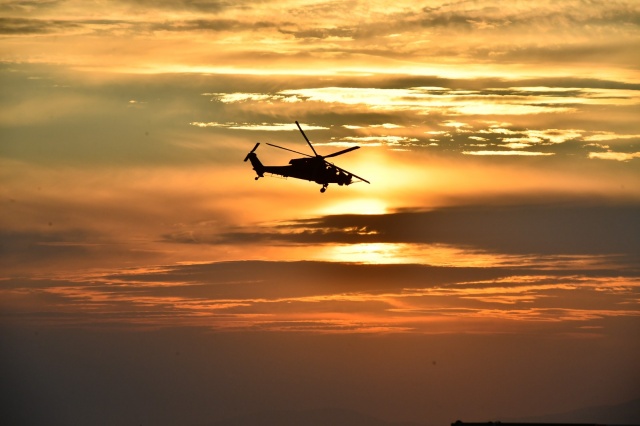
(315, 168)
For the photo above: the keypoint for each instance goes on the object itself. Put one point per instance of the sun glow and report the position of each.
(425, 254)
(372, 253)
(367, 206)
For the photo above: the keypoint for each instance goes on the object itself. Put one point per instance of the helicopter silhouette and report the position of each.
(315, 168)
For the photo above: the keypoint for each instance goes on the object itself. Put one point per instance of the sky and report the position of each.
(489, 271)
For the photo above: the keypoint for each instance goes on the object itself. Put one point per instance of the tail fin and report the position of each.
(251, 152)
(255, 162)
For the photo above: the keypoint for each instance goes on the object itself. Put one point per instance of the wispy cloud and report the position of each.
(490, 101)
(508, 152)
(617, 156)
(269, 296)
(268, 127)
(466, 115)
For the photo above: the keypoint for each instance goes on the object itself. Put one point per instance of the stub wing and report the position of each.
(351, 174)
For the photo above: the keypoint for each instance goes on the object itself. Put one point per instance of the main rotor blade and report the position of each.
(344, 151)
(348, 172)
(287, 149)
(306, 138)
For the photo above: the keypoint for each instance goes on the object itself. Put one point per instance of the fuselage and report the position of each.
(314, 169)
(311, 169)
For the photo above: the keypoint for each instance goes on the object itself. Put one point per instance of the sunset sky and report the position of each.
(490, 271)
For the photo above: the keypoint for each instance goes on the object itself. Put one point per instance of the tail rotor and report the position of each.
(252, 151)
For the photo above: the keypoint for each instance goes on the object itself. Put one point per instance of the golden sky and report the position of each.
(497, 248)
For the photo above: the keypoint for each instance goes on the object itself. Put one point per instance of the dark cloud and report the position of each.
(603, 15)
(540, 228)
(23, 6)
(320, 33)
(204, 6)
(25, 26)
(17, 26)
(486, 24)
(617, 52)
(207, 25)
(448, 19)
(261, 279)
